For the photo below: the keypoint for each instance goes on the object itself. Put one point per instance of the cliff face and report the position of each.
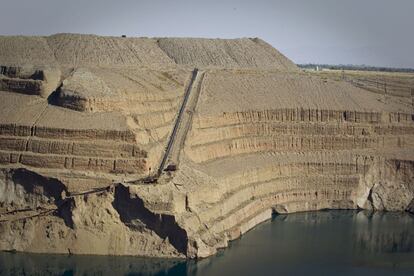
(173, 147)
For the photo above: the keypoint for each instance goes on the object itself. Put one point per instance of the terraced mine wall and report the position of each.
(246, 136)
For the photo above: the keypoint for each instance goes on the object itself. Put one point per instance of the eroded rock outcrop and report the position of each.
(29, 80)
(173, 147)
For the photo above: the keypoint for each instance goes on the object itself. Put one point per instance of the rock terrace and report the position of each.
(172, 147)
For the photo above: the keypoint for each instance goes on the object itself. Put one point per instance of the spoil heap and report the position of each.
(172, 147)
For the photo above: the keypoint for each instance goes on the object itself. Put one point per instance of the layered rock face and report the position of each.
(173, 147)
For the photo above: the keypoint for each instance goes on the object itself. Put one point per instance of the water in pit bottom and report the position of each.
(314, 243)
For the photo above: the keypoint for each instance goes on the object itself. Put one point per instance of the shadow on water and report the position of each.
(48, 264)
(315, 243)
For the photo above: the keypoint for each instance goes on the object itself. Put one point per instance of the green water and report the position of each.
(316, 243)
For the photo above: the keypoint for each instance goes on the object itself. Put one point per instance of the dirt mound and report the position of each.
(78, 50)
(225, 53)
(26, 50)
(91, 50)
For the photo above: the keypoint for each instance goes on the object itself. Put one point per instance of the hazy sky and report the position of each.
(374, 32)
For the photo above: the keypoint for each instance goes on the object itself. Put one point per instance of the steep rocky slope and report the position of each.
(172, 147)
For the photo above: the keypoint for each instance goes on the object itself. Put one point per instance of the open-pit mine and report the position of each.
(172, 147)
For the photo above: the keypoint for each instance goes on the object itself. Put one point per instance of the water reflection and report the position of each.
(316, 243)
(383, 233)
(47, 264)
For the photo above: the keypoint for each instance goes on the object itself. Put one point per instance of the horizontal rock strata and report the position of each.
(87, 122)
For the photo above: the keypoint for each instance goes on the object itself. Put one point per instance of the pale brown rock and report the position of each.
(173, 147)
(410, 207)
